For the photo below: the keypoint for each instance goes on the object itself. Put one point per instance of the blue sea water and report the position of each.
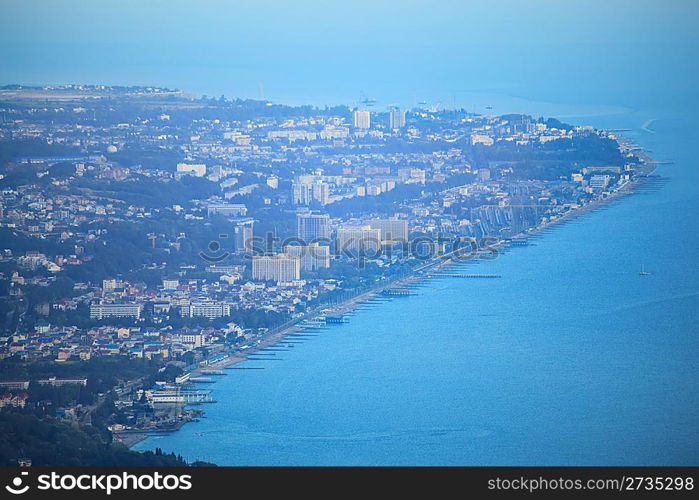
(571, 357)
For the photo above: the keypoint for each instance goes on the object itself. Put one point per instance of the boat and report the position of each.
(643, 271)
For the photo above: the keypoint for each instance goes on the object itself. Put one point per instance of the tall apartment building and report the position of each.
(312, 256)
(396, 119)
(243, 234)
(356, 240)
(393, 229)
(310, 188)
(362, 118)
(280, 267)
(313, 227)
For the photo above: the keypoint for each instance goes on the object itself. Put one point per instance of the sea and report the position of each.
(571, 357)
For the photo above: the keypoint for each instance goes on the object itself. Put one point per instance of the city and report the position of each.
(172, 233)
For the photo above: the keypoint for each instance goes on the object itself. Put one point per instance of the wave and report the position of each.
(646, 125)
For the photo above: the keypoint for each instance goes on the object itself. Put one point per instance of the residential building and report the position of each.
(101, 311)
(280, 267)
(356, 240)
(206, 309)
(227, 209)
(243, 234)
(313, 227)
(195, 169)
(312, 256)
(392, 229)
(362, 118)
(396, 119)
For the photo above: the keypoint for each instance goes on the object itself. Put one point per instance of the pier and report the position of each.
(464, 275)
(201, 380)
(335, 319)
(397, 292)
(209, 371)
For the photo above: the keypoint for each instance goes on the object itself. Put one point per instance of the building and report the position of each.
(223, 269)
(392, 229)
(302, 190)
(227, 209)
(599, 181)
(486, 140)
(321, 192)
(312, 256)
(57, 382)
(42, 327)
(362, 118)
(396, 119)
(192, 340)
(280, 267)
(243, 234)
(22, 385)
(108, 285)
(206, 309)
(313, 227)
(170, 284)
(310, 188)
(357, 240)
(101, 311)
(195, 169)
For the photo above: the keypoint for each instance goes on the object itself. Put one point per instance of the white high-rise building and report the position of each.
(392, 229)
(243, 234)
(302, 192)
(310, 188)
(280, 267)
(312, 257)
(313, 227)
(355, 240)
(321, 192)
(396, 119)
(362, 118)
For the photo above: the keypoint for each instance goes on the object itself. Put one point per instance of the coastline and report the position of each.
(416, 275)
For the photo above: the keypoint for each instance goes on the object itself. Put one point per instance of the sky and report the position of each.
(313, 50)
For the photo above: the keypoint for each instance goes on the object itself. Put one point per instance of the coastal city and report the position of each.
(151, 239)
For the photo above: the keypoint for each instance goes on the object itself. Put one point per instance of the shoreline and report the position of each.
(346, 306)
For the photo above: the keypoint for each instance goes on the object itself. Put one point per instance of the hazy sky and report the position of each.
(303, 49)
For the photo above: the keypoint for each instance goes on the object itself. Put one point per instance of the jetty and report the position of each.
(397, 292)
(464, 275)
